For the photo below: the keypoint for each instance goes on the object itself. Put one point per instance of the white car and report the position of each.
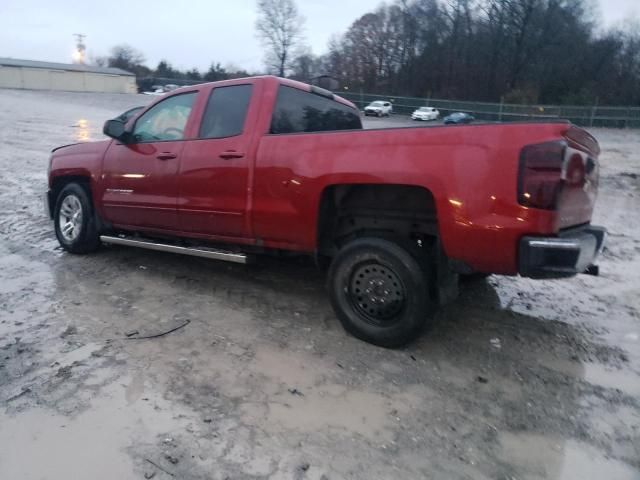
(160, 90)
(379, 109)
(157, 91)
(425, 113)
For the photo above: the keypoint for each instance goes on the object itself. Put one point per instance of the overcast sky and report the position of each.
(188, 33)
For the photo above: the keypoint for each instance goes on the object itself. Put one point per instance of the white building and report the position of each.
(34, 75)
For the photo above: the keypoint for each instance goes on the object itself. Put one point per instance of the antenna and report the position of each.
(79, 54)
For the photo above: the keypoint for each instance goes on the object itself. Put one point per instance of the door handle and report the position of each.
(230, 154)
(166, 156)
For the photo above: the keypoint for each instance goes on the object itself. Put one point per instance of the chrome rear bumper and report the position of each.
(571, 253)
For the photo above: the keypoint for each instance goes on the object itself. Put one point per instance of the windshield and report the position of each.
(424, 109)
(376, 104)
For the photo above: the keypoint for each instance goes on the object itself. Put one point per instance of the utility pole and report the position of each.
(80, 53)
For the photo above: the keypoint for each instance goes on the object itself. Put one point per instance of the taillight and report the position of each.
(575, 173)
(540, 175)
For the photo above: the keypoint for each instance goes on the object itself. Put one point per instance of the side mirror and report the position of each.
(114, 129)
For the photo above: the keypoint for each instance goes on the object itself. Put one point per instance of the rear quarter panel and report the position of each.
(470, 170)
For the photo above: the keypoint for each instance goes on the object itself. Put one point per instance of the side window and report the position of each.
(166, 120)
(226, 111)
(299, 111)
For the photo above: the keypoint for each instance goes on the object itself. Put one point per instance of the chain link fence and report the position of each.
(594, 116)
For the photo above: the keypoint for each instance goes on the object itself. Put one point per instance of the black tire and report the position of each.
(474, 277)
(394, 275)
(85, 237)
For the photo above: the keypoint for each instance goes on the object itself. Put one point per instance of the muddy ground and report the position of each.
(517, 380)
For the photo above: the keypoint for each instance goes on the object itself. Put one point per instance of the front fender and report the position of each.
(81, 160)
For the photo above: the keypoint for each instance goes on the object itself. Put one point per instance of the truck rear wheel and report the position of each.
(474, 277)
(75, 221)
(380, 292)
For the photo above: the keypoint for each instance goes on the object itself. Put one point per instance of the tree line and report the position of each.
(132, 60)
(521, 51)
(517, 51)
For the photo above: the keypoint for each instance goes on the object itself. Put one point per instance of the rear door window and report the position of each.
(298, 111)
(226, 111)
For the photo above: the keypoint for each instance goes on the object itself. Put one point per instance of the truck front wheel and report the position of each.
(75, 221)
(380, 292)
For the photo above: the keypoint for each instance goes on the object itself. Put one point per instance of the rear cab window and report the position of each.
(298, 111)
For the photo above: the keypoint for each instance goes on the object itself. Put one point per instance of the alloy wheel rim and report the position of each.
(70, 218)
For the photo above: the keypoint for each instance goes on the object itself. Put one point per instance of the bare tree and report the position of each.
(127, 58)
(305, 66)
(124, 55)
(279, 26)
(98, 61)
(548, 51)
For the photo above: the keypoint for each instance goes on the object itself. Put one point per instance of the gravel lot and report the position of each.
(517, 380)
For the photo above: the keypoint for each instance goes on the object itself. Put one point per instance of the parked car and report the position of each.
(220, 170)
(458, 118)
(379, 109)
(425, 113)
(159, 90)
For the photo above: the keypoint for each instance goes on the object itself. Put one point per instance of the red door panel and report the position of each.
(214, 171)
(139, 176)
(213, 186)
(140, 187)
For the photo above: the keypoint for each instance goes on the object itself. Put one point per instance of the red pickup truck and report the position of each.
(232, 169)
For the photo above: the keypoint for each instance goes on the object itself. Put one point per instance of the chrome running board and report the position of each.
(164, 247)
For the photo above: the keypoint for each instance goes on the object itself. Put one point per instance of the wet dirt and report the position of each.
(517, 380)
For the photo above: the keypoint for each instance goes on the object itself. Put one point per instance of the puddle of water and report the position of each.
(298, 397)
(581, 461)
(83, 133)
(101, 376)
(39, 444)
(623, 380)
(536, 456)
(135, 389)
(22, 274)
(355, 412)
(78, 354)
(285, 367)
(596, 374)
